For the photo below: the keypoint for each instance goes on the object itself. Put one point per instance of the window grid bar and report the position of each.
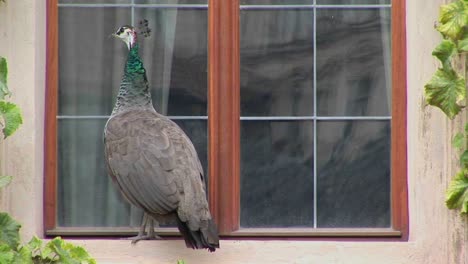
(242, 7)
(62, 117)
(133, 13)
(133, 5)
(313, 6)
(314, 36)
(254, 118)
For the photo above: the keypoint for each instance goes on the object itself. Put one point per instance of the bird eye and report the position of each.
(121, 30)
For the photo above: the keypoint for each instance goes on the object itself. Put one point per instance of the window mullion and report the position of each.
(224, 113)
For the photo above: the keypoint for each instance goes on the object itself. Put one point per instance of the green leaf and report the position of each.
(68, 253)
(3, 78)
(458, 140)
(464, 159)
(446, 90)
(466, 125)
(9, 231)
(23, 256)
(7, 254)
(463, 45)
(11, 116)
(457, 193)
(5, 180)
(453, 17)
(34, 244)
(444, 51)
(180, 261)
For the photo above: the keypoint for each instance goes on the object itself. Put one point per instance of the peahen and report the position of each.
(153, 162)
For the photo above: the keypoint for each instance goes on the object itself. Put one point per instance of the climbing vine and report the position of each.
(447, 89)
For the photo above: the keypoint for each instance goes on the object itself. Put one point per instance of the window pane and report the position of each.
(90, 63)
(353, 2)
(353, 62)
(86, 195)
(276, 2)
(173, 2)
(90, 70)
(353, 167)
(276, 174)
(175, 57)
(276, 62)
(95, 1)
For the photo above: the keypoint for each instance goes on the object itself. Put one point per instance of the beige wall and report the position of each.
(437, 235)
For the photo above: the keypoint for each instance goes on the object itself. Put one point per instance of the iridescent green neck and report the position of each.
(134, 91)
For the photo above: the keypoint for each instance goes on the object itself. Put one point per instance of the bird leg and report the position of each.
(142, 235)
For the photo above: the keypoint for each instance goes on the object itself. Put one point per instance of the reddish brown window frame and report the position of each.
(224, 131)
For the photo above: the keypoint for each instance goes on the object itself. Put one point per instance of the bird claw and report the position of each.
(135, 239)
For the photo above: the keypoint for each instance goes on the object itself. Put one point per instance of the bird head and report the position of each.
(127, 34)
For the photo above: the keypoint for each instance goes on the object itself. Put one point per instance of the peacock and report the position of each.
(153, 162)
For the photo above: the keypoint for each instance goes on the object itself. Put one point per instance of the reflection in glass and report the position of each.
(353, 174)
(276, 63)
(90, 70)
(172, 2)
(353, 62)
(86, 195)
(353, 2)
(276, 174)
(95, 1)
(90, 63)
(175, 57)
(276, 2)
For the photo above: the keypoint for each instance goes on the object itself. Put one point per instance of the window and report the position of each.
(296, 108)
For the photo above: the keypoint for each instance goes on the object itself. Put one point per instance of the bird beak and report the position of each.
(113, 35)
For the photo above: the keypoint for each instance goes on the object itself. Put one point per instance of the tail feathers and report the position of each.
(200, 239)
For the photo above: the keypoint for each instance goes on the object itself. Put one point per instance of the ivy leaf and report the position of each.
(463, 44)
(3, 78)
(464, 159)
(9, 231)
(457, 193)
(23, 256)
(444, 51)
(453, 17)
(11, 116)
(445, 90)
(6, 254)
(68, 253)
(458, 140)
(5, 180)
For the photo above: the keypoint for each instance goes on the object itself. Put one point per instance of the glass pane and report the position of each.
(276, 174)
(172, 2)
(86, 194)
(353, 167)
(95, 1)
(175, 57)
(90, 63)
(276, 2)
(353, 2)
(353, 62)
(276, 62)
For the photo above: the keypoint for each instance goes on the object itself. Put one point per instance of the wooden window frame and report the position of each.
(224, 134)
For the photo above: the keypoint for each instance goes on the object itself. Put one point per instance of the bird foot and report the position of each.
(135, 239)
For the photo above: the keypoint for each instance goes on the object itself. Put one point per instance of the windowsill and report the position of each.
(335, 233)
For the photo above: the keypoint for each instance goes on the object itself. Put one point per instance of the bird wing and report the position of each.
(142, 160)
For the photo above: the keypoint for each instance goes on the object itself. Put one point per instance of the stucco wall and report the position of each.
(437, 235)
(22, 42)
